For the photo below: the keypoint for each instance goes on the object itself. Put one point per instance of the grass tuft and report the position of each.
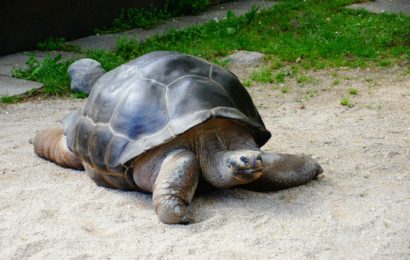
(353, 91)
(284, 89)
(346, 102)
(9, 99)
(52, 72)
(57, 44)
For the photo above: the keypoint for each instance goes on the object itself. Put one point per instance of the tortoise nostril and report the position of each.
(259, 158)
(231, 163)
(244, 159)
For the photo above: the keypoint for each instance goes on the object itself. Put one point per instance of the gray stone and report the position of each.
(384, 6)
(245, 57)
(11, 86)
(84, 73)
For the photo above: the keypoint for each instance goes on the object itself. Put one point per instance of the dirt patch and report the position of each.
(360, 208)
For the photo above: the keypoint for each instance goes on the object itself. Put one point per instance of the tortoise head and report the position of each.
(244, 165)
(83, 74)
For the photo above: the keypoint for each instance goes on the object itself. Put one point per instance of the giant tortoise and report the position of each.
(166, 122)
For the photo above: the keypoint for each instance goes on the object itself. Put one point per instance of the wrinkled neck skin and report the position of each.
(217, 147)
(215, 144)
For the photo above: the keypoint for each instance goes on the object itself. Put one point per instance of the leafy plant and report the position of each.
(353, 91)
(247, 83)
(346, 102)
(52, 72)
(264, 75)
(126, 48)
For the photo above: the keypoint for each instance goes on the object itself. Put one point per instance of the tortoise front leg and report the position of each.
(282, 171)
(175, 186)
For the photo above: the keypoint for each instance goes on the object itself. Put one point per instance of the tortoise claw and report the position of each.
(173, 211)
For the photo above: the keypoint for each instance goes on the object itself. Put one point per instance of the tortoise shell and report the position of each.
(149, 101)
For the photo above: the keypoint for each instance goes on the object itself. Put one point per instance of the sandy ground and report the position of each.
(359, 209)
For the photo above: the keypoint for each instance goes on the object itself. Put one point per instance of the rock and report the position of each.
(245, 57)
(83, 74)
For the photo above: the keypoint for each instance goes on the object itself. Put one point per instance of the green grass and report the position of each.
(304, 79)
(264, 75)
(247, 83)
(346, 102)
(52, 72)
(57, 44)
(353, 91)
(336, 82)
(79, 95)
(284, 89)
(310, 34)
(9, 99)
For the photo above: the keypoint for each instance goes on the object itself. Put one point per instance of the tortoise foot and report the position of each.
(173, 211)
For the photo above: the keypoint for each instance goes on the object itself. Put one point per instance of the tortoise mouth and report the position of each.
(247, 175)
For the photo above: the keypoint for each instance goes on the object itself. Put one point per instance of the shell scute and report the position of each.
(100, 138)
(199, 93)
(171, 66)
(140, 112)
(83, 133)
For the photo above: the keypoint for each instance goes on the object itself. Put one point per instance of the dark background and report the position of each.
(24, 23)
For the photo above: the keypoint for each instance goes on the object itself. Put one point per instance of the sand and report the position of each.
(359, 209)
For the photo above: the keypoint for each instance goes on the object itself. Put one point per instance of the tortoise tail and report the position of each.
(51, 144)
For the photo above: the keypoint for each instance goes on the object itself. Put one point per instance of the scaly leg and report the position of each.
(282, 171)
(175, 186)
(51, 144)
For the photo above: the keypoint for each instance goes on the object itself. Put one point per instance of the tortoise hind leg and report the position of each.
(51, 144)
(175, 186)
(282, 171)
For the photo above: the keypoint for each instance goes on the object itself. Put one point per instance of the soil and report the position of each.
(359, 208)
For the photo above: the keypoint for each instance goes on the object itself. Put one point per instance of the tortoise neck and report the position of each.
(214, 145)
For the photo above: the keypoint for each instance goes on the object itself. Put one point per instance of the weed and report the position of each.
(385, 63)
(346, 102)
(276, 63)
(9, 99)
(57, 44)
(280, 77)
(353, 91)
(247, 83)
(284, 89)
(52, 72)
(222, 62)
(109, 60)
(334, 74)
(305, 79)
(79, 95)
(336, 82)
(126, 48)
(264, 75)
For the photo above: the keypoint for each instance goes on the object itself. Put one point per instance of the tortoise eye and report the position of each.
(244, 159)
